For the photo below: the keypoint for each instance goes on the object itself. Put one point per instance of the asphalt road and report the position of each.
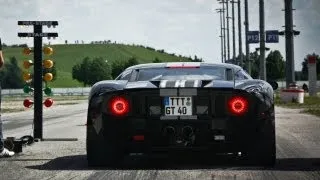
(298, 152)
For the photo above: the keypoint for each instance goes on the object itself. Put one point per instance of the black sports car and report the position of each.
(178, 108)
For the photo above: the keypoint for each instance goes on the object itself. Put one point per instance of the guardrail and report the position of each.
(85, 90)
(56, 91)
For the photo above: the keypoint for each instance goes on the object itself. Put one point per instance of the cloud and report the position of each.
(186, 27)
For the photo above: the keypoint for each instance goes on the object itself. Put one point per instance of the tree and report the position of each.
(305, 66)
(99, 70)
(156, 60)
(254, 59)
(80, 71)
(89, 72)
(275, 66)
(11, 75)
(117, 68)
(131, 62)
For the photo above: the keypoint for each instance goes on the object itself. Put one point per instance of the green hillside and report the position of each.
(66, 56)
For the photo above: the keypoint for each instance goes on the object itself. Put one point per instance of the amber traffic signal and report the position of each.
(47, 50)
(47, 63)
(27, 51)
(48, 77)
(27, 76)
(27, 64)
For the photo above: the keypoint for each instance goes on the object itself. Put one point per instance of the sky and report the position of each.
(186, 27)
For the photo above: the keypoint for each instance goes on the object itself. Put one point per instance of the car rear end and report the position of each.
(189, 117)
(168, 120)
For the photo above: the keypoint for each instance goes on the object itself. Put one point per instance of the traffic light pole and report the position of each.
(38, 97)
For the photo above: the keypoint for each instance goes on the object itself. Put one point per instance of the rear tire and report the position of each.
(263, 151)
(100, 153)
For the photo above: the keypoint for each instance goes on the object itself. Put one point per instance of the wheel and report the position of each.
(100, 152)
(263, 151)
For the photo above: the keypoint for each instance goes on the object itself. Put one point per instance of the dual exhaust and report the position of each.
(183, 135)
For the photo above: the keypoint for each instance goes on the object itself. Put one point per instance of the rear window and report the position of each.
(212, 73)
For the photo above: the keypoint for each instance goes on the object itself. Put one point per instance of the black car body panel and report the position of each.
(211, 127)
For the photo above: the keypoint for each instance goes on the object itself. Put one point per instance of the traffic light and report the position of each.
(40, 73)
(48, 102)
(47, 64)
(47, 51)
(27, 51)
(27, 89)
(48, 91)
(27, 64)
(48, 77)
(27, 103)
(27, 77)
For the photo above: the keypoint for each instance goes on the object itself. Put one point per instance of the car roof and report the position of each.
(201, 64)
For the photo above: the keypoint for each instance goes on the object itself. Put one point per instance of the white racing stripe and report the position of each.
(196, 83)
(163, 83)
(180, 83)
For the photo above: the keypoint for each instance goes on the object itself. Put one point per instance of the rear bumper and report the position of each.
(214, 136)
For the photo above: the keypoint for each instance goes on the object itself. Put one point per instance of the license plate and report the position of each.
(178, 106)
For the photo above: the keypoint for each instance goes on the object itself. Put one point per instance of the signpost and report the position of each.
(272, 36)
(253, 37)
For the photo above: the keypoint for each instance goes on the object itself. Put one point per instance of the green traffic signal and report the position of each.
(48, 91)
(27, 89)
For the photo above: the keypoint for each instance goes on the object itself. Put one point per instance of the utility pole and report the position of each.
(248, 61)
(224, 31)
(263, 73)
(228, 33)
(220, 11)
(240, 34)
(289, 33)
(233, 35)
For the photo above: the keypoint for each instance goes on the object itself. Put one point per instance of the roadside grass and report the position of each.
(311, 105)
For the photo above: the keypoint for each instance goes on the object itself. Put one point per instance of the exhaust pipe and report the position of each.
(169, 130)
(187, 131)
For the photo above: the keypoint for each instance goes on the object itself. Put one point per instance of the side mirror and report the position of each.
(274, 85)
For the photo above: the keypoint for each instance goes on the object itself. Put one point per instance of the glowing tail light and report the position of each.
(138, 138)
(238, 105)
(119, 106)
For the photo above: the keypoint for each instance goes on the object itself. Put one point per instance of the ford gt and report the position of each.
(180, 108)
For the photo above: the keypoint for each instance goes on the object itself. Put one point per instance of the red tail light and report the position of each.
(119, 106)
(238, 105)
(138, 138)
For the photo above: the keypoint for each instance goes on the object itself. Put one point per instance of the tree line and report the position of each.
(275, 66)
(92, 70)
